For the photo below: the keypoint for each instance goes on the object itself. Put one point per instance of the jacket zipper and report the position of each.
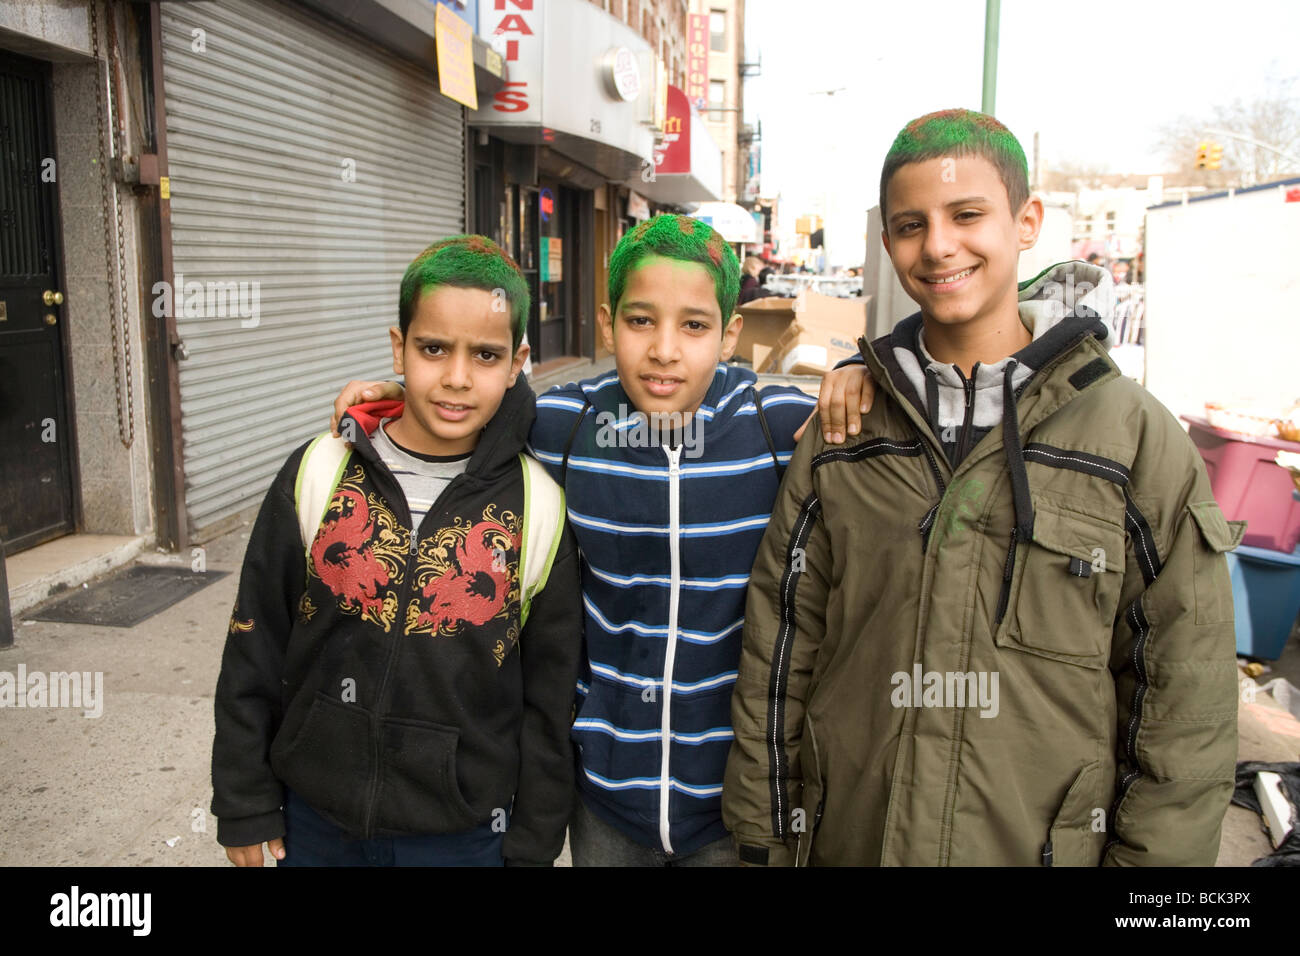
(399, 625)
(1008, 572)
(934, 467)
(811, 831)
(674, 542)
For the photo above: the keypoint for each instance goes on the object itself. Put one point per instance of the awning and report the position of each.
(688, 163)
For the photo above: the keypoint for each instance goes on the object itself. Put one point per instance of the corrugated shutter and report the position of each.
(269, 111)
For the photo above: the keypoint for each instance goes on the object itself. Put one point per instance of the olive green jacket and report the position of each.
(1025, 660)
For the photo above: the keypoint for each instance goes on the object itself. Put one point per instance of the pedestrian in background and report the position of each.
(750, 286)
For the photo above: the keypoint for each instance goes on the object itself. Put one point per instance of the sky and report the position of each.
(1093, 79)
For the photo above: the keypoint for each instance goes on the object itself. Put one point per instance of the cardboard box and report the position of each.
(820, 337)
(769, 319)
(765, 322)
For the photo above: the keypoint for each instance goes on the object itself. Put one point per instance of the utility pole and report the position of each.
(992, 13)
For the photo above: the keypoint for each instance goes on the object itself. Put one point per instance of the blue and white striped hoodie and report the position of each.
(668, 537)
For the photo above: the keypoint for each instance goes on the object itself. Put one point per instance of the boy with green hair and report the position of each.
(671, 466)
(996, 626)
(398, 672)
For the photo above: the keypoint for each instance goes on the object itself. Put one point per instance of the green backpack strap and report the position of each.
(543, 527)
(319, 473)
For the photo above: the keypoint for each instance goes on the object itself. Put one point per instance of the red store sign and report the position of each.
(673, 155)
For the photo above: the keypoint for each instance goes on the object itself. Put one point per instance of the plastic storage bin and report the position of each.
(1265, 598)
(1249, 485)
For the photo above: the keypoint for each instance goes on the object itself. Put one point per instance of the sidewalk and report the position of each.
(113, 790)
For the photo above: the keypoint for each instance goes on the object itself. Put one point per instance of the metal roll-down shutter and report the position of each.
(316, 165)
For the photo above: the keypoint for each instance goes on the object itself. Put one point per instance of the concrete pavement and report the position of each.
(115, 790)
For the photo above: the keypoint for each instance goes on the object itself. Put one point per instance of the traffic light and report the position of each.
(1215, 157)
(1202, 155)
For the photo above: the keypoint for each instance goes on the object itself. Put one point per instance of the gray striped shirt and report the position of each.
(422, 477)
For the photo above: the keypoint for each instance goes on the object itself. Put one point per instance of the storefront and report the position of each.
(578, 112)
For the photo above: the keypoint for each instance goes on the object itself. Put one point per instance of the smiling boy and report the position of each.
(1015, 516)
(397, 680)
(668, 529)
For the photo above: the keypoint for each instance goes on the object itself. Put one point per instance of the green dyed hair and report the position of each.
(467, 262)
(682, 238)
(960, 133)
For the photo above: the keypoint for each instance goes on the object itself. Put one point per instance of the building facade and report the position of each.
(217, 202)
(568, 154)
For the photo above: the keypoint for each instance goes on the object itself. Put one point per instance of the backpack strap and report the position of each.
(543, 528)
(568, 445)
(319, 472)
(767, 432)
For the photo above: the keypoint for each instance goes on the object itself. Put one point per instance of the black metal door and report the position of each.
(36, 494)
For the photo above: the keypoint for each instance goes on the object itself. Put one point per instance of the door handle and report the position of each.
(50, 319)
(52, 298)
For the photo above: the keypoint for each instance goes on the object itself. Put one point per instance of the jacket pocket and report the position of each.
(1078, 833)
(814, 799)
(1065, 592)
(418, 788)
(1211, 581)
(328, 761)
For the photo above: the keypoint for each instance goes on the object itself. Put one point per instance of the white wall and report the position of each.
(1223, 301)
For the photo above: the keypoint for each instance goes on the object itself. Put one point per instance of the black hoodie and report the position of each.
(393, 690)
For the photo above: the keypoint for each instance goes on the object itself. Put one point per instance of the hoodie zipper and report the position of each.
(399, 625)
(968, 419)
(394, 645)
(674, 593)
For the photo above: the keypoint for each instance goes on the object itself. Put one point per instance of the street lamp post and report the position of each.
(992, 13)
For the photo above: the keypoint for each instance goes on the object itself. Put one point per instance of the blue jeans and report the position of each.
(311, 840)
(593, 842)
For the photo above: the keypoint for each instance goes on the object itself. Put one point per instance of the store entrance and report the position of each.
(36, 493)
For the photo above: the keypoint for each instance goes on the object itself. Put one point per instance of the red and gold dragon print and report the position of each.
(465, 575)
(360, 552)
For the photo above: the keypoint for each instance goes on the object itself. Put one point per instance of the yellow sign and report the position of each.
(807, 225)
(454, 41)
(164, 187)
